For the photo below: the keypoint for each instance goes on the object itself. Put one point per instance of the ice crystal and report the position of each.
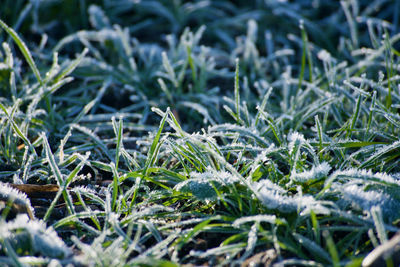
(316, 172)
(44, 240)
(295, 139)
(364, 175)
(8, 193)
(324, 55)
(200, 188)
(274, 197)
(84, 189)
(257, 218)
(267, 184)
(201, 185)
(366, 200)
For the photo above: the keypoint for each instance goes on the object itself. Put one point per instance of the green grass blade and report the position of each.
(331, 248)
(72, 66)
(24, 50)
(57, 173)
(237, 93)
(152, 154)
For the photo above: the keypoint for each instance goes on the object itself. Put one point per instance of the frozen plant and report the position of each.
(41, 239)
(201, 185)
(22, 203)
(317, 172)
(367, 175)
(273, 196)
(366, 199)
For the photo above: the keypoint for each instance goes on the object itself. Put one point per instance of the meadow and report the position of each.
(199, 133)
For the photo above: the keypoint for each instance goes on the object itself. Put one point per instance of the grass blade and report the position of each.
(24, 50)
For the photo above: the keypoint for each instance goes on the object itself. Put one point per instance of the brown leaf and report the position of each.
(37, 191)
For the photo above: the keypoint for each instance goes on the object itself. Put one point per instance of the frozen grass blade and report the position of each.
(17, 129)
(380, 153)
(24, 50)
(115, 185)
(261, 108)
(11, 252)
(118, 133)
(14, 197)
(237, 93)
(316, 227)
(351, 22)
(251, 241)
(319, 131)
(389, 68)
(151, 156)
(312, 247)
(332, 248)
(272, 126)
(72, 66)
(153, 151)
(305, 53)
(170, 70)
(296, 169)
(59, 178)
(354, 118)
(376, 213)
(371, 108)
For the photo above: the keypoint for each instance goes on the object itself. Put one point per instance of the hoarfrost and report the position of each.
(201, 185)
(274, 197)
(364, 175)
(11, 194)
(295, 139)
(316, 172)
(324, 55)
(256, 218)
(366, 200)
(44, 239)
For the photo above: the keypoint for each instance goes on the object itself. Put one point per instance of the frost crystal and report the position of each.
(84, 189)
(295, 139)
(201, 184)
(366, 200)
(316, 172)
(202, 189)
(267, 184)
(44, 240)
(324, 55)
(274, 197)
(8, 193)
(257, 218)
(364, 175)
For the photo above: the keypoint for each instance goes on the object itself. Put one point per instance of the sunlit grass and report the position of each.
(210, 144)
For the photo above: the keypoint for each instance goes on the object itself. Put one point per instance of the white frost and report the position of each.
(274, 197)
(315, 173)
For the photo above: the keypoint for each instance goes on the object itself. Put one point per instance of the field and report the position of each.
(199, 133)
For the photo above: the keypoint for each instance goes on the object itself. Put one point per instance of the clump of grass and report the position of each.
(220, 139)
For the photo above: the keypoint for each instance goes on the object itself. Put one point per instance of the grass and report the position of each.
(199, 132)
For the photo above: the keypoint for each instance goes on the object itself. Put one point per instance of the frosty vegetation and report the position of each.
(199, 132)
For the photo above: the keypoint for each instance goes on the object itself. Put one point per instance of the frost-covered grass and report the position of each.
(199, 132)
